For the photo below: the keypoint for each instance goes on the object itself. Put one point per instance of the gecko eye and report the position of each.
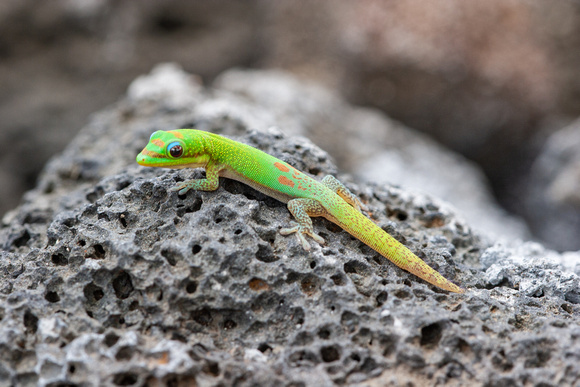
(175, 150)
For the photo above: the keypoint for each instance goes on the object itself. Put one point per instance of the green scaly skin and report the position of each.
(305, 196)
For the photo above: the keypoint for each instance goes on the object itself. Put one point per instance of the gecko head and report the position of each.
(182, 148)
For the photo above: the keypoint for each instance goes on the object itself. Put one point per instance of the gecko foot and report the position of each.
(181, 188)
(340, 189)
(300, 232)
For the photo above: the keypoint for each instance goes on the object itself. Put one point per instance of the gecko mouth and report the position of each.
(142, 160)
(145, 155)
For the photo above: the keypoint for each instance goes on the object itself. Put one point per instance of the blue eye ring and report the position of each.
(175, 150)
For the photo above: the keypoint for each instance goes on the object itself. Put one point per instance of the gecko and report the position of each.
(305, 197)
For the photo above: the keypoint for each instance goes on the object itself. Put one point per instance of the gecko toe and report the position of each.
(290, 230)
(320, 240)
(300, 234)
(180, 188)
(303, 241)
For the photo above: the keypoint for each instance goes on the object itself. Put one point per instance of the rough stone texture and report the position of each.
(106, 278)
(552, 197)
(488, 79)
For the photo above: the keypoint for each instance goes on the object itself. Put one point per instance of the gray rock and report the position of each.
(106, 278)
(552, 197)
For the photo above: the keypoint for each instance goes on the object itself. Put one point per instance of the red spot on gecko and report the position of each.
(284, 180)
(149, 153)
(296, 173)
(176, 134)
(158, 142)
(281, 167)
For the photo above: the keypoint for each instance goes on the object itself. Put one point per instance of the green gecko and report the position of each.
(305, 197)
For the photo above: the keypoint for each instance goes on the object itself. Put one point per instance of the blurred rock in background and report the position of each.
(492, 80)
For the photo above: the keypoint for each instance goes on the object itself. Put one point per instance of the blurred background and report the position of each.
(496, 81)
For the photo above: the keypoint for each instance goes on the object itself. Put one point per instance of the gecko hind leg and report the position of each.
(302, 209)
(334, 184)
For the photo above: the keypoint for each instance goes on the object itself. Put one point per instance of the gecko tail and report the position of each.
(405, 259)
(373, 236)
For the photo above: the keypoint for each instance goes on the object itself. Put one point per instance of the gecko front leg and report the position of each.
(302, 209)
(210, 183)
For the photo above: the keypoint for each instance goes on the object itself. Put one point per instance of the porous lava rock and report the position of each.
(106, 278)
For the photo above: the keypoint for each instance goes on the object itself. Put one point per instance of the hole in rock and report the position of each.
(324, 333)
(338, 279)
(59, 259)
(229, 324)
(122, 285)
(402, 294)
(170, 256)
(111, 339)
(125, 379)
(125, 353)
(431, 334)
(202, 317)
(382, 298)
(330, 353)
(195, 249)
(191, 287)
(30, 322)
(51, 296)
(357, 267)
(123, 220)
(93, 293)
(567, 307)
(212, 368)
(99, 251)
(265, 254)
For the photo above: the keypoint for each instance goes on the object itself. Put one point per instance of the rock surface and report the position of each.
(552, 196)
(489, 79)
(108, 279)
